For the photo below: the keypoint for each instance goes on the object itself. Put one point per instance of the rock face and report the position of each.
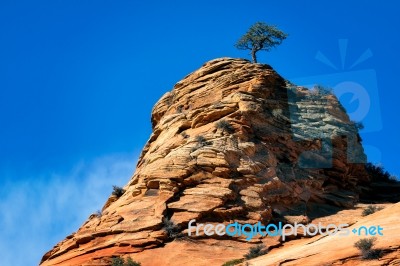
(233, 141)
(340, 250)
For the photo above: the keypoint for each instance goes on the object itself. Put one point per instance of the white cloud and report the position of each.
(37, 213)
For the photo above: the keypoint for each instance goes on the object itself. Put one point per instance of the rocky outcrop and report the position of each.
(233, 141)
(338, 249)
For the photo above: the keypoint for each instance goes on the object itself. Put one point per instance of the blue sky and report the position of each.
(78, 80)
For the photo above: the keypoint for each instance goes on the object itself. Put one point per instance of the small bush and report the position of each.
(358, 125)
(118, 261)
(224, 126)
(130, 262)
(370, 209)
(365, 243)
(118, 191)
(233, 262)
(172, 229)
(365, 246)
(378, 173)
(201, 140)
(256, 251)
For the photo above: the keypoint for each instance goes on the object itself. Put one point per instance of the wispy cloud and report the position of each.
(37, 213)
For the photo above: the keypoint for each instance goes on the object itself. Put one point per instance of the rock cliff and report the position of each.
(232, 141)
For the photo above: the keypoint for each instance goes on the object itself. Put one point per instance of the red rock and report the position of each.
(193, 169)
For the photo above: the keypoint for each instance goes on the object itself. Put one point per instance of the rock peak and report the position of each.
(232, 141)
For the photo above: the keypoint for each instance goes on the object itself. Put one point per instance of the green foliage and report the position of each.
(260, 36)
(365, 243)
(224, 126)
(118, 191)
(370, 209)
(256, 251)
(372, 254)
(365, 246)
(393, 179)
(172, 229)
(201, 141)
(233, 262)
(378, 174)
(130, 262)
(358, 125)
(118, 261)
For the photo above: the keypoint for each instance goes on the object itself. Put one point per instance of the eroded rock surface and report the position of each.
(233, 141)
(340, 250)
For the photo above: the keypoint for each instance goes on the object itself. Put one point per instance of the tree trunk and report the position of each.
(253, 55)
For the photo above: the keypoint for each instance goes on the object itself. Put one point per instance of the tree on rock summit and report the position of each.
(260, 36)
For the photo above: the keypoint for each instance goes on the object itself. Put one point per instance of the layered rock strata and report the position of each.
(232, 141)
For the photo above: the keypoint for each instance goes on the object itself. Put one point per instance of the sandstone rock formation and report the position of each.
(233, 141)
(340, 250)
